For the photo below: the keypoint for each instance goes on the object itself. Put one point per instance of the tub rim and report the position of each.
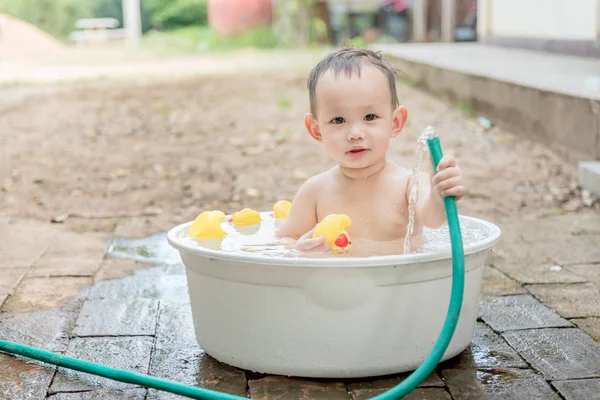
(342, 262)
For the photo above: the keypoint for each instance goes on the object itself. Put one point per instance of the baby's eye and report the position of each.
(370, 117)
(337, 120)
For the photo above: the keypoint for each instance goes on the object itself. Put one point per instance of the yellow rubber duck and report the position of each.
(247, 216)
(333, 227)
(281, 209)
(207, 225)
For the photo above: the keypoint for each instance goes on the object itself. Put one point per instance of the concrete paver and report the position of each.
(558, 353)
(591, 326)
(47, 329)
(578, 389)
(417, 394)
(178, 356)
(544, 273)
(115, 268)
(278, 387)
(37, 293)
(487, 350)
(103, 394)
(64, 267)
(495, 283)
(128, 353)
(10, 278)
(134, 317)
(518, 312)
(21, 380)
(497, 384)
(570, 301)
(591, 272)
(432, 380)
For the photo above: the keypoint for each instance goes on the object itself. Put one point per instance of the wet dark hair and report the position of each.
(350, 60)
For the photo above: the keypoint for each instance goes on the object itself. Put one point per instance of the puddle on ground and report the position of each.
(150, 250)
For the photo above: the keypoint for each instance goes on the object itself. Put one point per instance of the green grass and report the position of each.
(202, 38)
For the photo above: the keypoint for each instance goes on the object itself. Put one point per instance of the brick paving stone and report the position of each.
(487, 350)
(417, 394)
(64, 267)
(175, 326)
(591, 326)
(47, 329)
(117, 318)
(179, 357)
(194, 367)
(19, 248)
(10, 277)
(570, 301)
(495, 283)
(117, 268)
(591, 272)
(22, 380)
(384, 383)
(497, 384)
(279, 387)
(576, 249)
(367, 388)
(154, 285)
(558, 353)
(103, 394)
(138, 227)
(39, 293)
(132, 354)
(545, 273)
(518, 312)
(78, 246)
(580, 389)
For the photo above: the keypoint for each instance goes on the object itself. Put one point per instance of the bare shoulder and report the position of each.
(303, 215)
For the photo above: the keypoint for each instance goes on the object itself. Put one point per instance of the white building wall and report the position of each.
(540, 19)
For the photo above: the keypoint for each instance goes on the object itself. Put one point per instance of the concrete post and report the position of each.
(419, 20)
(448, 20)
(132, 20)
(598, 19)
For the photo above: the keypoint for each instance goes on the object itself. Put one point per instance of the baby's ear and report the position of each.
(312, 126)
(399, 117)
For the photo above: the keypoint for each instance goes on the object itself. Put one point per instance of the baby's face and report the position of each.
(355, 116)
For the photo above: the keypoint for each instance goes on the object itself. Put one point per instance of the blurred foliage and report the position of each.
(176, 13)
(202, 38)
(57, 17)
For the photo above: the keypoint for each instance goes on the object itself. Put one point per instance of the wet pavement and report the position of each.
(532, 340)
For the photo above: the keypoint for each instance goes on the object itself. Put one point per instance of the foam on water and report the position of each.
(262, 239)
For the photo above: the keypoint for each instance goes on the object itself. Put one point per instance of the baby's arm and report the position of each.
(446, 182)
(302, 219)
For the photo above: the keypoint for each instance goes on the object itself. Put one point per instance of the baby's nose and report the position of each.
(355, 133)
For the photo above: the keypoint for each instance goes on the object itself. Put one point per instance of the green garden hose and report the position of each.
(399, 391)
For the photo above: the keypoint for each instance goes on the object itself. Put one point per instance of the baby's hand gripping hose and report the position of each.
(401, 390)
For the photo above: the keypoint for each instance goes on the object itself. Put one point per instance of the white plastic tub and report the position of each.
(324, 317)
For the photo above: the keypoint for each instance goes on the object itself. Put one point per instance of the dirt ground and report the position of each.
(104, 157)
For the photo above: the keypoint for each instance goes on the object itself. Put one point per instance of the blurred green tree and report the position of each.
(176, 13)
(57, 17)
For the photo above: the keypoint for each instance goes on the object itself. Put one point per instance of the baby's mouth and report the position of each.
(356, 152)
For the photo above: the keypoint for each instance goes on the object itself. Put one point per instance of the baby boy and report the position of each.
(354, 113)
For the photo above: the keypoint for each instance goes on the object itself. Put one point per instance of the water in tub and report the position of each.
(261, 238)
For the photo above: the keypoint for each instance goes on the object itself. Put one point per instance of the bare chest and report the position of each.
(378, 211)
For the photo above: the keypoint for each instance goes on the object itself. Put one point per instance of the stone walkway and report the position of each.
(536, 337)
